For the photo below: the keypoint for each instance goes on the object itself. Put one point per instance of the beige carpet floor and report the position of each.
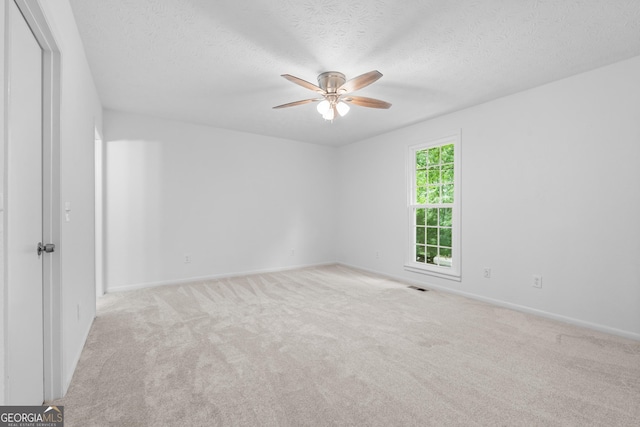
(332, 346)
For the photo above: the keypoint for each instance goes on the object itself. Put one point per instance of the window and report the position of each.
(434, 207)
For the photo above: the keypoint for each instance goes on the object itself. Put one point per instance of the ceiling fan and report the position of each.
(335, 93)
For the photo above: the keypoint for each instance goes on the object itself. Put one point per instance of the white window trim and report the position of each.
(454, 272)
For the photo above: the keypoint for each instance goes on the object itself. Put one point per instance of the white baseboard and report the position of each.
(122, 288)
(506, 304)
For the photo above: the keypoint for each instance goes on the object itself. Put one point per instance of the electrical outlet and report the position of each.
(78, 312)
(293, 252)
(377, 254)
(487, 273)
(536, 281)
(187, 258)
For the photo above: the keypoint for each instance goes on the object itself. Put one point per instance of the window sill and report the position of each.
(433, 271)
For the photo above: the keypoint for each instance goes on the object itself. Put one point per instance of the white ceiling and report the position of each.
(218, 62)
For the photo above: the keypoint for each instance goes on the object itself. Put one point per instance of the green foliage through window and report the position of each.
(434, 193)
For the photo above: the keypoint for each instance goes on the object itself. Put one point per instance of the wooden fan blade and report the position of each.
(363, 101)
(304, 101)
(359, 82)
(303, 83)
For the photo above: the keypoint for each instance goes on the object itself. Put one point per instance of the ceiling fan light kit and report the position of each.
(334, 87)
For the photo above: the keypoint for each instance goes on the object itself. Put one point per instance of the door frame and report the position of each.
(34, 14)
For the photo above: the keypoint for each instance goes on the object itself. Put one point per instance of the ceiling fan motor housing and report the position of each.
(330, 81)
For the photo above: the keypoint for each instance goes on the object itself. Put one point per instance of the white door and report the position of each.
(24, 215)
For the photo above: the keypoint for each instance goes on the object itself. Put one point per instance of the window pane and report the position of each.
(421, 196)
(444, 257)
(432, 236)
(434, 175)
(420, 216)
(447, 193)
(447, 153)
(434, 156)
(445, 217)
(445, 237)
(432, 216)
(447, 173)
(421, 178)
(433, 179)
(421, 159)
(432, 252)
(433, 195)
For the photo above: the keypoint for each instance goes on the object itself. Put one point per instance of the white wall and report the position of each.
(3, 288)
(80, 112)
(235, 202)
(549, 186)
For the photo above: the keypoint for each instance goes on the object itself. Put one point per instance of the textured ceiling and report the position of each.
(219, 62)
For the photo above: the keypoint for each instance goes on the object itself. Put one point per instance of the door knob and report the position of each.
(48, 248)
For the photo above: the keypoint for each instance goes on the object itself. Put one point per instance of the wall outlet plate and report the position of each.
(536, 281)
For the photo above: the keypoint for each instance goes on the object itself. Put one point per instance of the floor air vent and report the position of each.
(418, 289)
